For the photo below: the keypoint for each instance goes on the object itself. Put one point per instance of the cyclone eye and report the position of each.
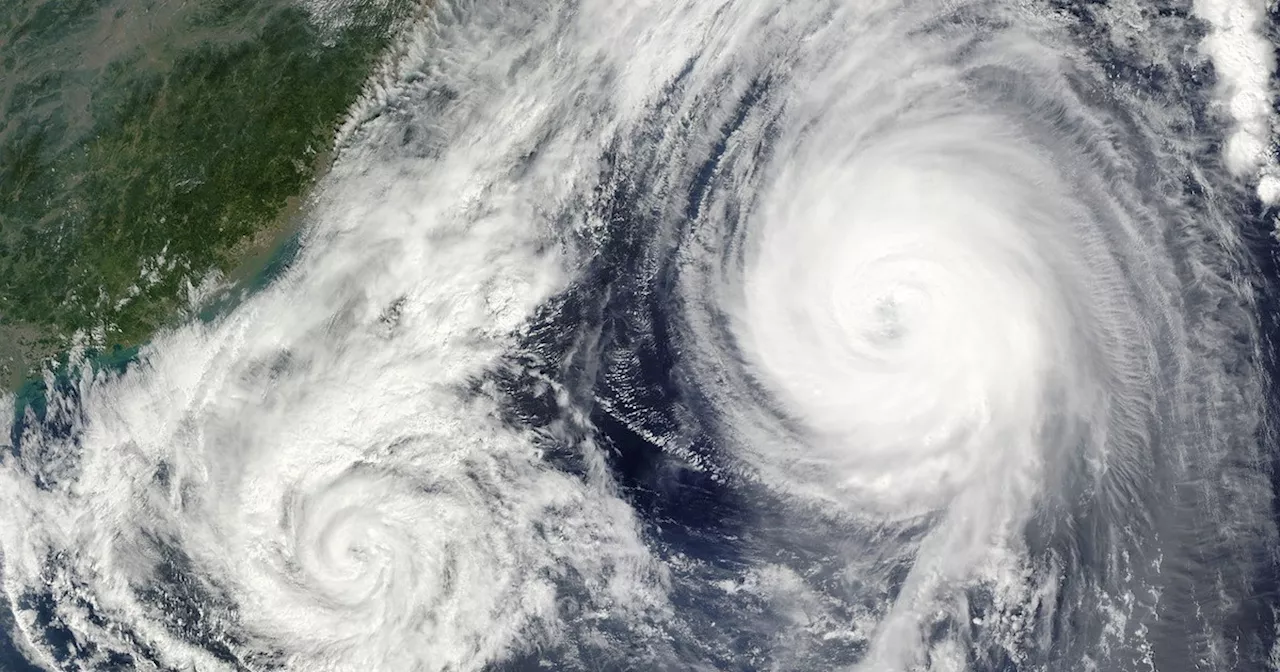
(889, 323)
(864, 335)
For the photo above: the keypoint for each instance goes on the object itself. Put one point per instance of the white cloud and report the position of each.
(1245, 62)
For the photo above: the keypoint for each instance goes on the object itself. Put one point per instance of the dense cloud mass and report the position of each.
(711, 335)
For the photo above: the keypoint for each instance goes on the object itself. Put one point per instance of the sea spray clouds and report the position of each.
(937, 280)
(1245, 62)
(688, 335)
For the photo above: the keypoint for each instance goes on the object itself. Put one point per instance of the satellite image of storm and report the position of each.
(639, 335)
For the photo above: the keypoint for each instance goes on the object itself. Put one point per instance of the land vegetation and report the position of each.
(146, 144)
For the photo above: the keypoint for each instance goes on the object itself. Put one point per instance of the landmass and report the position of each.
(147, 145)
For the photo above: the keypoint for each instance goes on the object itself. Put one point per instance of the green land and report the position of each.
(147, 143)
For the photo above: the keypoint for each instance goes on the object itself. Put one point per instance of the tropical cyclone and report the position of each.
(690, 335)
(959, 304)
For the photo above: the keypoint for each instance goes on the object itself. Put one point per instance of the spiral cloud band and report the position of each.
(953, 300)
(706, 335)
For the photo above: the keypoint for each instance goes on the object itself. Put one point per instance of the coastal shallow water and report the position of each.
(879, 336)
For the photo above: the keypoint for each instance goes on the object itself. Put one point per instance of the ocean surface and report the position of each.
(675, 335)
